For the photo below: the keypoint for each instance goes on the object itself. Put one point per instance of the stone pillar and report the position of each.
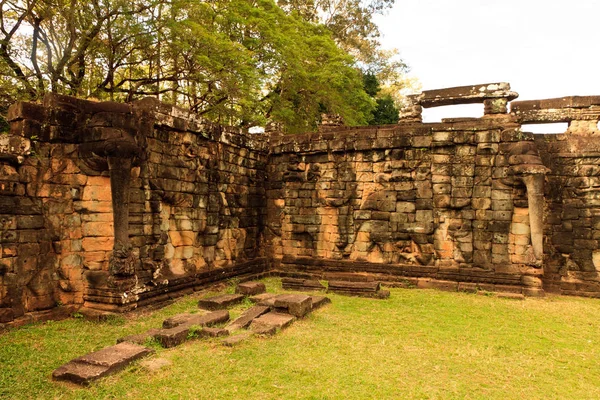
(535, 198)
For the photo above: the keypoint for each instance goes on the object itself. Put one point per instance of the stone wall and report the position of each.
(113, 206)
(423, 204)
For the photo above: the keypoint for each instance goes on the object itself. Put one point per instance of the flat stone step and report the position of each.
(220, 302)
(139, 338)
(173, 336)
(235, 339)
(98, 364)
(265, 299)
(319, 301)
(297, 305)
(304, 285)
(213, 332)
(272, 319)
(246, 318)
(209, 319)
(250, 288)
(362, 289)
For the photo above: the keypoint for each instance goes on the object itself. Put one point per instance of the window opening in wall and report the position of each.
(436, 114)
(557, 127)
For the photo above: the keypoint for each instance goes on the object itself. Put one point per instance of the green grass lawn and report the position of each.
(417, 344)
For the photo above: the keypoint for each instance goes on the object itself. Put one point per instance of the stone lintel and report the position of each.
(466, 94)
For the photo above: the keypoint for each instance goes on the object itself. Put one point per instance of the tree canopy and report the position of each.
(239, 62)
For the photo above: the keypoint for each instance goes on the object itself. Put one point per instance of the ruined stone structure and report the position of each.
(114, 206)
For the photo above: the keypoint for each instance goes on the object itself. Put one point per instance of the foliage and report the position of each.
(234, 61)
(385, 111)
(417, 344)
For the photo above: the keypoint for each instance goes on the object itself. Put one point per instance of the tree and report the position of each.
(234, 61)
(385, 111)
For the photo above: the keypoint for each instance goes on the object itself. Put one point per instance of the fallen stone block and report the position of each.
(212, 318)
(172, 337)
(297, 305)
(220, 302)
(264, 299)
(319, 301)
(265, 330)
(304, 285)
(246, 318)
(176, 320)
(139, 338)
(362, 289)
(272, 319)
(213, 332)
(235, 339)
(250, 288)
(98, 364)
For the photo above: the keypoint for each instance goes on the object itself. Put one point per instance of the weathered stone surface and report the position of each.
(98, 364)
(173, 336)
(264, 299)
(188, 319)
(244, 320)
(304, 285)
(250, 288)
(319, 301)
(220, 302)
(213, 332)
(272, 319)
(297, 305)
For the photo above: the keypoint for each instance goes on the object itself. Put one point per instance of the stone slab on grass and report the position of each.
(173, 336)
(362, 289)
(220, 302)
(176, 320)
(187, 319)
(308, 285)
(297, 305)
(100, 363)
(213, 332)
(264, 330)
(264, 299)
(246, 318)
(272, 319)
(235, 339)
(319, 301)
(250, 288)
(139, 338)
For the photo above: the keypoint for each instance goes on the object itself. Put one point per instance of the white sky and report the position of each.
(544, 49)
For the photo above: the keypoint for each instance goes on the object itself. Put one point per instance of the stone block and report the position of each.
(213, 332)
(319, 301)
(263, 299)
(244, 320)
(250, 288)
(297, 305)
(220, 302)
(98, 364)
(272, 319)
(172, 337)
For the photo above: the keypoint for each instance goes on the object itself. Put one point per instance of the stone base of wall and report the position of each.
(403, 275)
(118, 301)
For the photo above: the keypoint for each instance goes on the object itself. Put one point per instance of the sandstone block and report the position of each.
(250, 288)
(172, 337)
(297, 305)
(220, 302)
(98, 364)
(272, 319)
(244, 320)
